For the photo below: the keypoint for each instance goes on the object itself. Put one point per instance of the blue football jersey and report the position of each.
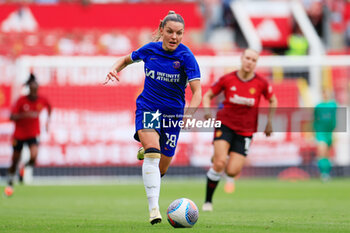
(167, 74)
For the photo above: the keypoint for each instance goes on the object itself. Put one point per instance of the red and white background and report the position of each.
(273, 24)
(92, 124)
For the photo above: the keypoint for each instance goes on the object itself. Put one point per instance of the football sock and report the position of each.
(28, 174)
(213, 179)
(324, 165)
(10, 178)
(151, 176)
(229, 179)
(31, 162)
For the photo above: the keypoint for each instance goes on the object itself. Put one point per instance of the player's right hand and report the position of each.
(112, 75)
(207, 116)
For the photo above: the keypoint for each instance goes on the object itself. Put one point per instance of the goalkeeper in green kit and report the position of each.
(324, 125)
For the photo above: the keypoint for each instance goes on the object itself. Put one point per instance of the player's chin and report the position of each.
(248, 69)
(171, 47)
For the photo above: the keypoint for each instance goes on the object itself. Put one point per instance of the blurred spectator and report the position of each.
(212, 12)
(116, 44)
(314, 9)
(347, 34)
(67, 45)
(297, 43)
(297, 46)
(46, 1)
(335, 20)
(145, 36)
(228, 17)
(347, 23)
(86, 45)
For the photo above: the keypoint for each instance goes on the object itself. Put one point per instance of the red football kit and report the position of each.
(28, 127)
(242, 97)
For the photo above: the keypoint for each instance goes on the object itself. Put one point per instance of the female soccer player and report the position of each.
(242, 90)
(169, 67)
(25, 114)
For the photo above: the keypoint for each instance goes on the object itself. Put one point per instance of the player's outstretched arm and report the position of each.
(272, 110)
(120, 64)
(208, 96)
(49, 110)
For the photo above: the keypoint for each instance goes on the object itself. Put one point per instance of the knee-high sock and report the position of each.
(213, 179)
(229, 179)
(10, 179)
(324, 165)
(151, 180)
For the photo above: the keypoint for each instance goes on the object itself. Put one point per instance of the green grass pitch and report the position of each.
(259, 205)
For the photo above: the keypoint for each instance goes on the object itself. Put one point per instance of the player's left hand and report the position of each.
(186, 119)
(268, 129)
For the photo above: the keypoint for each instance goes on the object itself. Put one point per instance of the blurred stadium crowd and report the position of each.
(25, 28)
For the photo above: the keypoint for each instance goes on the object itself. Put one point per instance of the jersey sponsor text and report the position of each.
(172, 78)
(236, 99)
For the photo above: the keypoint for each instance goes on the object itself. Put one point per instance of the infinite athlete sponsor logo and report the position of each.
(162, 76)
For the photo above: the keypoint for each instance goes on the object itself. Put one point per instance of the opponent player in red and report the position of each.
(239, 116)
(25, 114)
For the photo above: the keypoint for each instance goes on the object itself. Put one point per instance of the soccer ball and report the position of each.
(182, 213)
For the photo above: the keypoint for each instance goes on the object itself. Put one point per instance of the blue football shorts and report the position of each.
(159, 121)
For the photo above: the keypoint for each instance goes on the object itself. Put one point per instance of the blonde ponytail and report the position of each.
(157, 34)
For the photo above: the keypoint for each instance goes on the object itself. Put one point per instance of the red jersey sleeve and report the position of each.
(218, 86)
(16, 107)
